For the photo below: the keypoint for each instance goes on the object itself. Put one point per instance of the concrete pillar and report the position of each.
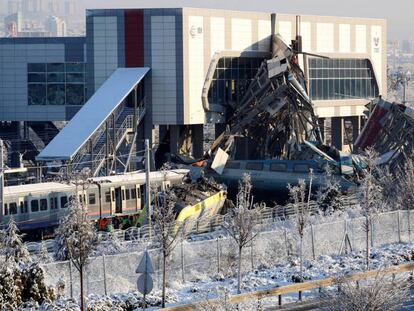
(356, 127)
(219, 128)
(162, 132)
(321, 122)
(337, 132)
(174, 138)
(198, 140)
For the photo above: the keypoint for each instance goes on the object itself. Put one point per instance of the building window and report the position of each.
(231, 78)
(341, 79)
(56, 84)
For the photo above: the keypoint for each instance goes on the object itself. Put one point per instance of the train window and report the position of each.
(6, 209)
(63, 201)
(43, 204)
(133, 194)
(34, 205)
(92, 200)
(107, 196)
(233, 165)
(127, 196)
(80, 198)
(254, 166)
(123, 194)
(278, 167)
(13, 208)
(301, 168)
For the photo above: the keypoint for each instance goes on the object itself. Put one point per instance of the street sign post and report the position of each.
(144, 282)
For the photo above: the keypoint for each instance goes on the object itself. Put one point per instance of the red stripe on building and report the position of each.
(134, 38)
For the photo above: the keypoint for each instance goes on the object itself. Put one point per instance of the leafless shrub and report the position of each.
(379, 294)
(405, 190)
(222, 302)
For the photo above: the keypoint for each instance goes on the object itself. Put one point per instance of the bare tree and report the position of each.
(79, 236)
(301, 204)
(406, 185)
(240, 222)
(166, 230)
(379, 294)
(370, 197)
(405, 188)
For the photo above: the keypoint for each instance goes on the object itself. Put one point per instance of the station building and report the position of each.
(199, 61)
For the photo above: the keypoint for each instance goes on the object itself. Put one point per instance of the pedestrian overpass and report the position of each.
(102, 135)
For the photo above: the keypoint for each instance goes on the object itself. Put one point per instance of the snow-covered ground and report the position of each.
(257, 279)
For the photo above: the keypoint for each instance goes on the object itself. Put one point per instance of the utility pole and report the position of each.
(1, 176)
(147, 183)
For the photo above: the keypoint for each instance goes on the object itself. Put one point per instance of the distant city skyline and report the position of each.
(399, 15)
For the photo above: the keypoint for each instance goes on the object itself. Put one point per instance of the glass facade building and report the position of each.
(341, 79)
(56, 83)
(232, 78)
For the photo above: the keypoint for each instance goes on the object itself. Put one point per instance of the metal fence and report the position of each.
(192, 261)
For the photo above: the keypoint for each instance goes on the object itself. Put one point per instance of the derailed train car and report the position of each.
(39, 207)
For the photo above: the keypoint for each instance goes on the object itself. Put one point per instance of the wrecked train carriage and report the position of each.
(390, 131)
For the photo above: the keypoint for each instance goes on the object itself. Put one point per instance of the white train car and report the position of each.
(39, 207)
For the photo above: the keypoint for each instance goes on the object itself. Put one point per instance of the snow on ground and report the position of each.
(257, 279)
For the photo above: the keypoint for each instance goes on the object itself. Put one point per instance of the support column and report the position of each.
(337, 132)
(321, 123)
(198, 140)
(174, 138)
(356, 127)
(219, 128)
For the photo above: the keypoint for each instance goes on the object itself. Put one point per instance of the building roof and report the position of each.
(93, 114)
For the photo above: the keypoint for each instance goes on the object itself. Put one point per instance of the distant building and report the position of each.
(13, 24)
(407, 46)
(13, 6)
(55, 26)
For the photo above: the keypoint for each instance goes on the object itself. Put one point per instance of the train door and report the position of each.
(142, 195)
(119, 199)
(137, 198)
(113, 204)
(23, 209)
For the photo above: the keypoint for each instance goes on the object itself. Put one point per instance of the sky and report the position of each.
(399, 13)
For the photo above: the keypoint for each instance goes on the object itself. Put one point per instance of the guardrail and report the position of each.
(297, 288)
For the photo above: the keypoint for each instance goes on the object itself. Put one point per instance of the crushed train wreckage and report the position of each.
(277, 118)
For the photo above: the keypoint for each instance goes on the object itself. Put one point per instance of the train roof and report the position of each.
(140, 176)
(55, 186)
(35, 188)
